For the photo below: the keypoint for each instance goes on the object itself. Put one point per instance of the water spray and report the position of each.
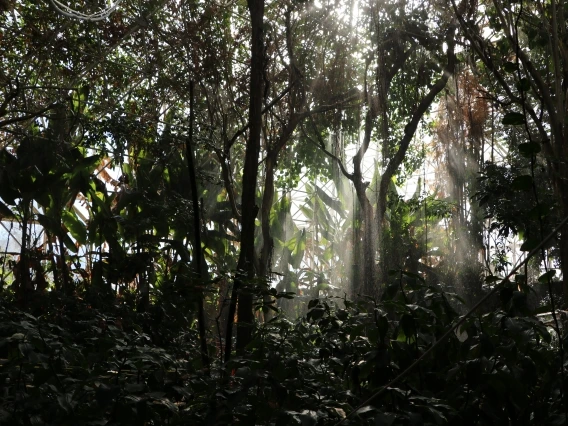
(453, 328)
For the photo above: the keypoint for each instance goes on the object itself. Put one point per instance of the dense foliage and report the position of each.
(283, 212)
(79, 363)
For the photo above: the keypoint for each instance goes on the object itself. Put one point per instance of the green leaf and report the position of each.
(513, 119)
(102, 202)
(557, 420)
(385, 419)
(68, 242)
(522, 183)
(88, 163)
(529, 149)
(5, 211)
(510, 67)
(328, 253)
(298, 252)
(308, 212)
(291, 243)
(168, 404)
(66, 402)
(539, 211)
(529, 244)
(524, 85)
(408, 326)
(413, 275)
(542, 309)
(335, 204)
(366, 409)
(77, 228)
(383, 326)
(546, 277)
(50, 225)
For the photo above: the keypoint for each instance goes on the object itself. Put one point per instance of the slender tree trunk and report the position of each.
(64, 271)
(409, 131)
(562, 191)
(268, 198)
(23, 275)
(198, 261)
(245, 265)
(368, 282)
(143, 286)
(553, 136)
(268, 241)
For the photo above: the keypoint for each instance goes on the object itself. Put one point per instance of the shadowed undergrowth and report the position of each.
(74, 361)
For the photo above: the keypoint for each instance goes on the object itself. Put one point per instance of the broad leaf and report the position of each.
(513, 119)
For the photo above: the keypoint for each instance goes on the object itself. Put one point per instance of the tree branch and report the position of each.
(411, 127)
(477, 45)
(321, 145)
(264, 111)
(555, 124)
(26, 117)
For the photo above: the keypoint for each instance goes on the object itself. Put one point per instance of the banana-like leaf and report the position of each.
(54, 227)
(298, 251)
(77, 228)
(332, 203)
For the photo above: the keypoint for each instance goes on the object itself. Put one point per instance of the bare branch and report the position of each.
(411, 127)
(26, 117)
(266, 109)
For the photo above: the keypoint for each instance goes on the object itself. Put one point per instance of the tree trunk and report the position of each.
(409, 131)
(267, 240)
(245, 265)
(562, 192)
(367, 285)
(198, 260)
(23, 273)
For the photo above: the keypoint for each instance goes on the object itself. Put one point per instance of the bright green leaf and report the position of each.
(77, 228)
